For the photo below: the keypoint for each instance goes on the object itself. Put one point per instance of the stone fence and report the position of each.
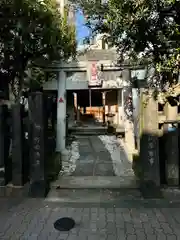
(25, 146)
(158, 141)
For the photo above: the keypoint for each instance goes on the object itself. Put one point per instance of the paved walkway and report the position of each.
(33, 220)
(95, 160)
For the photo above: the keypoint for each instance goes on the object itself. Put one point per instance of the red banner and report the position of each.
(93, 75)
(93, 72)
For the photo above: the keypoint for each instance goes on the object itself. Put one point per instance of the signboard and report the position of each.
(94, 75)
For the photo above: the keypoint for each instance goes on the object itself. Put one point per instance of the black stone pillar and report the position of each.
(5, 138)
(18, 139)
(2, 145)
(37, 145)
(171, 148)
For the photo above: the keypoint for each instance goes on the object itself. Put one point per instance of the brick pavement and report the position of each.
(33, 219)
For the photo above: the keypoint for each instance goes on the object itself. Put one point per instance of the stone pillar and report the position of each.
(2, 145)
(38, 176)
(61, 113)
(128, 114)
(136, 113)
(129, 136)
(149, 144)
(18, 139)
(171, 147)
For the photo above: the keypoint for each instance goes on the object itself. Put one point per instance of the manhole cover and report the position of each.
(64, 224)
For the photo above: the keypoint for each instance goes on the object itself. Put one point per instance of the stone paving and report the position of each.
(32, 219)
(95, 160)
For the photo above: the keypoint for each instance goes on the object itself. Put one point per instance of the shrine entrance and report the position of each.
(79, 99)
(91, 106)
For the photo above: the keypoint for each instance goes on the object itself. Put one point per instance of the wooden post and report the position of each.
(78, 114)
(149, 149)
(90, 97)
(104, 105)
(75, 106)
(171, 147)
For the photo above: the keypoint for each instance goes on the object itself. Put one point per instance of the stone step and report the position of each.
(89, 131)
(95, 182)
(95, 196)
(93, 131)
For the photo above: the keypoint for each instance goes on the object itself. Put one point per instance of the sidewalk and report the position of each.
(32, 219)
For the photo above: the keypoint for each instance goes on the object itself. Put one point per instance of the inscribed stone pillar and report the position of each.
(38, 176)
(2, 145)
(171, 147)
(149, 144)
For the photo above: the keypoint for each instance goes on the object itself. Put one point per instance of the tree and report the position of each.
(31, 30)
(140, 29)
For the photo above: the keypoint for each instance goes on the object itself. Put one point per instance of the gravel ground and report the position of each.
(121, 163)
(69, 166)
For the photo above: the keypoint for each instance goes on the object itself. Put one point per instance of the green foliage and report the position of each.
(138, 28)
(31, 30)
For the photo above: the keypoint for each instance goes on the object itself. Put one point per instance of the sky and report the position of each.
(81, 30)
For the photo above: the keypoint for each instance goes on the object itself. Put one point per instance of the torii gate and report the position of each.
(62, 69)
